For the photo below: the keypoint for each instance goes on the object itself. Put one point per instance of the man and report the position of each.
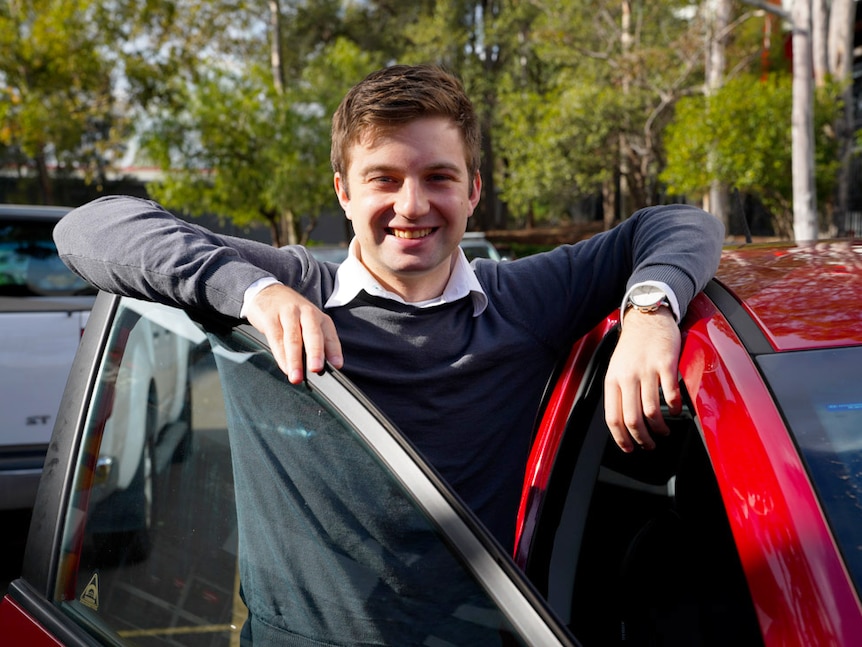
(457, 355)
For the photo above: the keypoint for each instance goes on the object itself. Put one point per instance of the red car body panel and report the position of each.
(20, 628)
(551, 429)
(801, 296)
(800, 587)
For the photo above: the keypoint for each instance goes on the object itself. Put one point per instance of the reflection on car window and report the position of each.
(820, 395)
(150, 544)
(333, 549)
(29, 264)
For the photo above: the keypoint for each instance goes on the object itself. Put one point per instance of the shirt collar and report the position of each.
(352, 277)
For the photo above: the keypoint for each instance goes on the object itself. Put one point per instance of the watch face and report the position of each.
(646, 295)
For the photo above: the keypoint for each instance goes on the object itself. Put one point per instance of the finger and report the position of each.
(274, 337)
(633, 415)
(313, 340)
(292, 345)
(332, 345)
(614, 417)
(672, 394)
(279, 324)
(650, 404)
(320, 340)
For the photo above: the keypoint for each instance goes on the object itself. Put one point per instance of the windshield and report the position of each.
(820, 394)
(29, 264)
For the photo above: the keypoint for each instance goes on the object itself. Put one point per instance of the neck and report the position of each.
(417, 287)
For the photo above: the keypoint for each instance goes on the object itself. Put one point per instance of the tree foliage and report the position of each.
(248, 153)
(575, 99)
(58, 109)
(741, 136)
(593, 88)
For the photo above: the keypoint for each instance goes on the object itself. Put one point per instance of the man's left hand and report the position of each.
(646, 358)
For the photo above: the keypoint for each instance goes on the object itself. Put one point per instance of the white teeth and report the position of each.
(411, 233)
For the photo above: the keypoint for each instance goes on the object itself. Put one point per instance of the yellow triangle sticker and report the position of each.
(90, 596)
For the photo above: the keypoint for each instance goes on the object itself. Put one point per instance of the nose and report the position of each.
(412, 201)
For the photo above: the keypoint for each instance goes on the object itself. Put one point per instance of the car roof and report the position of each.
(801, 296)
(31, 211)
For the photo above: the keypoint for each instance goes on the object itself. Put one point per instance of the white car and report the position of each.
(43, 309)
(146, 428)
(475, 245)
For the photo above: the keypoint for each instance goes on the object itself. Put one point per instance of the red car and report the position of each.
(741, 527)
(747, 517)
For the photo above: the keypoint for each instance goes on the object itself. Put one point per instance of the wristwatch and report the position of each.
(647, 298)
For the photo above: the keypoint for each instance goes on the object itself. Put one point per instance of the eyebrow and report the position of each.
(388, 168)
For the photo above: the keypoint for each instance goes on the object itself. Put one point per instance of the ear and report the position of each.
(341, 192)
(476, 191)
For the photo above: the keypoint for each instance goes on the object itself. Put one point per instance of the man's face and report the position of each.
(409, 195)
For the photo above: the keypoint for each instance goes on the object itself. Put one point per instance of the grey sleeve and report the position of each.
(136, 248)
(678, 245)
(560, 295)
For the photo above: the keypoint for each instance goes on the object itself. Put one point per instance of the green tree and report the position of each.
(58, 111)
(555, 152)
(237, 99)
(741, 137)
(593, 86)
(244, 151)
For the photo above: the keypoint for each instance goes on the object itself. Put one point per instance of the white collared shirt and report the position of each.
(352, 277)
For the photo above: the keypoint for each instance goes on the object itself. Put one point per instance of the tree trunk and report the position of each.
(819, 29)
(285, 227)
(45, 181)
(719, 20)
(802, 127)
(609, 203)
(805, 226)
(289, 228)
(274, 233)
(840, 61)
(487, 214)
(623, 205)
(276, 60)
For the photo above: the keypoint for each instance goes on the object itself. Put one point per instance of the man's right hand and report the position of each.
(290, 323)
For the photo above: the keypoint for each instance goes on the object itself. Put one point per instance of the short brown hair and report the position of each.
(397, 95)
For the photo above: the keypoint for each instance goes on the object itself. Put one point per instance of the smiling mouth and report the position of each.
(412, 233)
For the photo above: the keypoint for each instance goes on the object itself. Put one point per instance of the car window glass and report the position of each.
(333, 546)
(29, 264)
(820, 396)
(664, 565)
(149, 549)
(636, 548)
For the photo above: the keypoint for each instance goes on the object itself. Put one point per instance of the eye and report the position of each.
(440, 177)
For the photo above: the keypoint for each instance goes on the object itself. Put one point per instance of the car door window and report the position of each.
(199, 461)
(149, 549)
(636, 548)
